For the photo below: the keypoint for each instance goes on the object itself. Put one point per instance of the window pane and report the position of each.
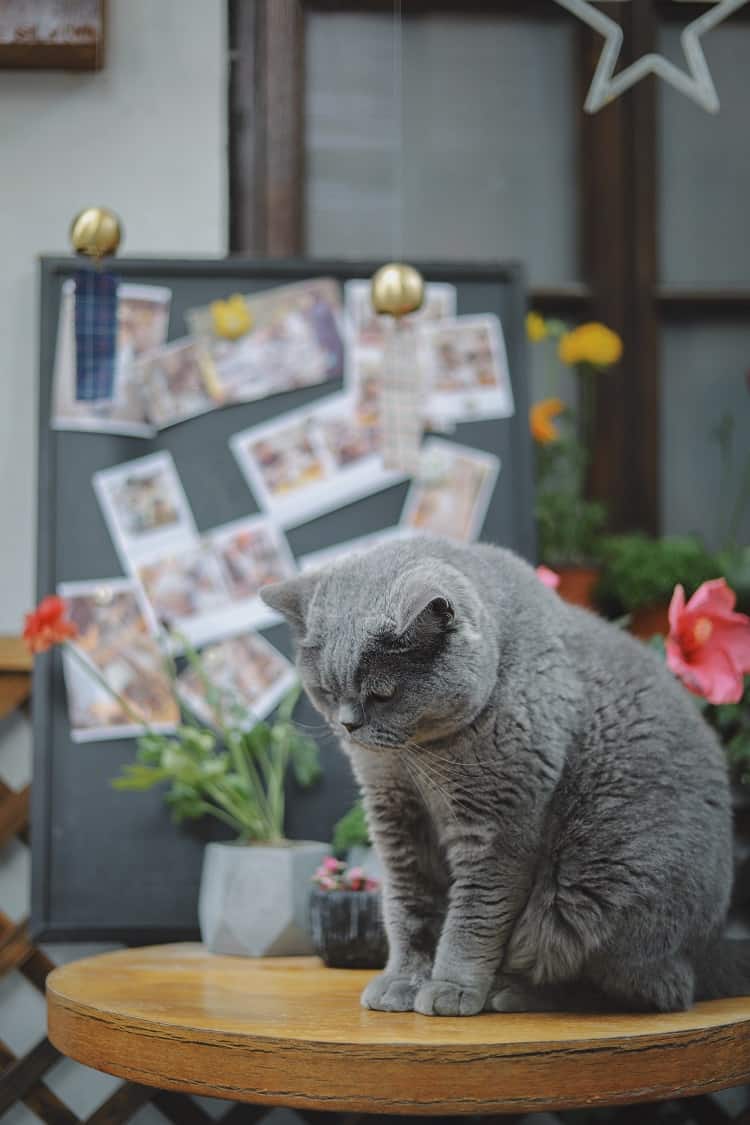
(489, 140)
(704, 380)
(705, 167)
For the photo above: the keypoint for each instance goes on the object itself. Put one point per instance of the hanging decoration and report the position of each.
(398, 290)
(695, 83)
(95, 234)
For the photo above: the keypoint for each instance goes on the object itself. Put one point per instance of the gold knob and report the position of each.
(96, 232)
(397, 289)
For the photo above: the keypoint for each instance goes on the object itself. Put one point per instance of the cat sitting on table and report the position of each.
(551, 811)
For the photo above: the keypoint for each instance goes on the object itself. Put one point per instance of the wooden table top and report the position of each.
(287, 1031)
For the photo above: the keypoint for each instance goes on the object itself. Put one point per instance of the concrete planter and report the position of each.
(253, 897)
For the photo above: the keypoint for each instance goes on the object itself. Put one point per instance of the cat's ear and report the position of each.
(424, 610)
(291, 598)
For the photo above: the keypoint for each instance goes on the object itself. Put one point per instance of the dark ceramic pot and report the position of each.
(347, 929)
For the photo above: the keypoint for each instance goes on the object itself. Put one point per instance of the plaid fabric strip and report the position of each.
(401, 410)
(96, 334)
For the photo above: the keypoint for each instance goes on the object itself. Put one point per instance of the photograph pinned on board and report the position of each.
(293, 338)
(248, 678)
(465, 368)
(314, 560)
(367, 329)
(453, 493)
(143, 322)
(145, 508)
(365, 384)
(312, 460)
(115, 640)
(179, 381)
(209, 591)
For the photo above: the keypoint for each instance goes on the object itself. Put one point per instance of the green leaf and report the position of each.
(351, 830)
(258, 740)
(305, 758)
(288, 703)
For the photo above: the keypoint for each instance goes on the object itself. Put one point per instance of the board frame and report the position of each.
(52, 270)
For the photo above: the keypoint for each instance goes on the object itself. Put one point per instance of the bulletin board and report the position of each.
(110, 865)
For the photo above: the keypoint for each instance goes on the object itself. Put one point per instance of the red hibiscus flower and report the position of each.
(708, 645)
(48, 625)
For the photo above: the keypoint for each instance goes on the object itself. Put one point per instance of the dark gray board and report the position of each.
(109, 865)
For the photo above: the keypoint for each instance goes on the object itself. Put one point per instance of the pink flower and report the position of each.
(708, 645)
(548, 577)
(371, 884)
(330, 863)
(326, 883)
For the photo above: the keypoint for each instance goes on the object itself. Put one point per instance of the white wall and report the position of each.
(145, 136)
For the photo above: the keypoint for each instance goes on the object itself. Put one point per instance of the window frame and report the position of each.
(617, 199)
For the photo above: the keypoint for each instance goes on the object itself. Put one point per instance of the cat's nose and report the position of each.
(350, 717)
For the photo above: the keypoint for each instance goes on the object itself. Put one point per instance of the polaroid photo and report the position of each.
(253, 553)
(179, 381)
(211, 591)
(465, 366)
(145, 508)
(296, 340)
(452, 496)
(312, 460)
(143, 321)
(115, 641)
(367, 329)
(327, 555)
(184, 587)
(248, 678)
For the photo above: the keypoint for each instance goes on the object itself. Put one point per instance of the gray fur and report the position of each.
(551, 811)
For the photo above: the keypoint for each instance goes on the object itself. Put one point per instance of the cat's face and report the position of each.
(389, 657)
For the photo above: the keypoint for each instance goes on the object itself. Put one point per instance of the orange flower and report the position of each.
(48, 625)
(541, 415)
(592, 343)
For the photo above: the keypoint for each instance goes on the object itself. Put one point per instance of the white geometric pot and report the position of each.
(253, 898)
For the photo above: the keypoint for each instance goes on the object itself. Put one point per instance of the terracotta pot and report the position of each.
(650, 621)
(577, 584)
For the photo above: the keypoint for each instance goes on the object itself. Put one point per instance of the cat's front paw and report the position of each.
(390, 993)
(444, 998)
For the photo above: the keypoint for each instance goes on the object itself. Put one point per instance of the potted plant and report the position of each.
(345, 917)
(708, 649)
(568, 523)
(254, 890)
(639, 574)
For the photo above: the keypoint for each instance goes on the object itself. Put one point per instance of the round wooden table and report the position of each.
(289, 1032)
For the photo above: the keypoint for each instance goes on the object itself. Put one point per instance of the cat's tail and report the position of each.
(724, 970)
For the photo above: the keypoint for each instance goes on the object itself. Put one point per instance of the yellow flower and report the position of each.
(231, 318)
(541, 415)
(592, 343)
(536, 327)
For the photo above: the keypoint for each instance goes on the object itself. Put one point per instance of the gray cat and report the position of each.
(552, 813)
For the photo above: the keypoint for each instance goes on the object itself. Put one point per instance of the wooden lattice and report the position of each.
(22, 1079)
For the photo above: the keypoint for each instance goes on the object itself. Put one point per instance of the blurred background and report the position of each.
(269, 128)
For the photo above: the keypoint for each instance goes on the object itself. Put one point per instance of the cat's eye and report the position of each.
(382, 695)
